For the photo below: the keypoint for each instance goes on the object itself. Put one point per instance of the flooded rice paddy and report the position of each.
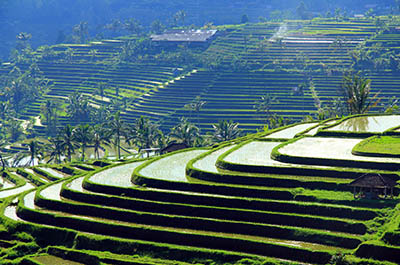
(119, 176)
(208, 163)
(171, 167)
(371, 124)
(329, 148)
(290, 132)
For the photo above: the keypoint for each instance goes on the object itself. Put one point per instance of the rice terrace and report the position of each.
(200, 132)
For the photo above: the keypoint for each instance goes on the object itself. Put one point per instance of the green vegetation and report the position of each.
(388, 146)
(77, 120)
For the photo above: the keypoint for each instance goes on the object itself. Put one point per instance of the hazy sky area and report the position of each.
(47, 19)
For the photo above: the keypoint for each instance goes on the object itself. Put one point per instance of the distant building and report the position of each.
(185, 36)
(174, 146)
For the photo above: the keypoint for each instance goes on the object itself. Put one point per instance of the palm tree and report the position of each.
(3, 160)
(225, 131)
(80, 32)
(83, 135)
(35, 151)
(196, 106)
(49, 110)
(100, 137)
(117, 129)
(14, 129)
(55, 150)
(179, 16)
(67, 139)
(264, 104)
(185, 132)
(5, 110)
(144, 134)
(78, 107)
(356, 93)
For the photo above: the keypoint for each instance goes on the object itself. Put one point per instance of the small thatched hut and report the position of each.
(373, 185)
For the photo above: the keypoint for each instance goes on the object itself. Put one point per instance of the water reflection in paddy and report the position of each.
(376, 124)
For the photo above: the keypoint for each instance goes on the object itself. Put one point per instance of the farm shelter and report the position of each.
(373, 184)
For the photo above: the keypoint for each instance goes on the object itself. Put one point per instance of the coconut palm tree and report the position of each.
(78, 107)
(356, 93)
(35, 151)
(55, 150)
(83, 135)
(3, 160)
(144, 134)
(118, 130)
(68, 143)
(264, 104)
(185, 132)
(225, 131)
(49, 110)
(196, 106)
(101, 137)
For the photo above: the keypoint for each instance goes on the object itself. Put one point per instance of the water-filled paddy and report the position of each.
(30, 171)
(290, 132)
(53, 260)
(76, 184)
(329, 148)
(10, 192)
(208, 163)
(171, 167)
(29, 200)
(371, 124)
(255, 153)
(52, 192)
(53, 172)
(5, 184)
(116, 176)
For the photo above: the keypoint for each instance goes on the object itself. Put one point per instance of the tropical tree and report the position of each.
(356, 93)
(80, 32)
(157, 27)
(55, 150)
(5, 111)
(49, 111)
(144, 134)
(133, 26)
(101, 137)
(82, 134)
(78, 107)
(101, 87)
(179, 17)
(185, 132)
(225, 131)
(3, 160)
(117, 130)
(14, 129)
(35, 151)
(196, 106)
(264, 104)
(67, 140)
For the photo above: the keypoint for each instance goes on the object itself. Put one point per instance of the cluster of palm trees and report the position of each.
(141, 135)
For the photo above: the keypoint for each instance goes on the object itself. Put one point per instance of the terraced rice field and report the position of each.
(233, 214)
(262, 198)
(372, 124)
(329, 148)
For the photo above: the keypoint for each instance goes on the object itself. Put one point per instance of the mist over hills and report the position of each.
(47, 20)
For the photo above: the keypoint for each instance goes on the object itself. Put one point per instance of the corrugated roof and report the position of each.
(192, 35)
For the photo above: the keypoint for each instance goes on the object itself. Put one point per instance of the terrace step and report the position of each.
(175, 236)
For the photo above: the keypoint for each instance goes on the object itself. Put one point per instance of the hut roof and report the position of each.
(174, 146)
(184, 35)
(373, 181)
